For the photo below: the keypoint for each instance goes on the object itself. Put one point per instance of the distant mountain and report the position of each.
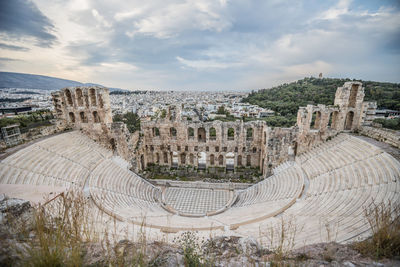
(32, 81)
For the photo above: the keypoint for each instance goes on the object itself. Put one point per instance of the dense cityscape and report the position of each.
(149, 104)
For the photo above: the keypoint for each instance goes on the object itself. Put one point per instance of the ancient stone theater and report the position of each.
(319, 174)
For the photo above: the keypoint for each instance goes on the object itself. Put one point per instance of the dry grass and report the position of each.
(60, 229)
(64, 229)
(384, 220)
(282, 238)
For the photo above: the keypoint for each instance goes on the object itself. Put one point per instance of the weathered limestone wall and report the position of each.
(381, 134)
(175, 142)
(368, 112)
(88, 109)
(83, 107)
(281, 146)
(317, 123)
(349, 99)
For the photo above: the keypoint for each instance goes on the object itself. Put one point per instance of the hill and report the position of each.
(32, 81)
(285, 99)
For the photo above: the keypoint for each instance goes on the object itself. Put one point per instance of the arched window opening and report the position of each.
(221, 160)
(353, 96)
(190, 133)
(248, 161)
(230, 161)
(96, 117)
(156, 131)
(72, 117)
(79, 97)
(239, 160)
(201, 160)
(157, 158)
(249, 134)
(165, 156)
(329, 120)
(174, 157)
(83, 117)
(254, 150)
(212, 159)
(172, 132)
(201, 135)
(183, 158)
(231, 134)
(69, 97)
(316, 120)
(92, 95)
(213, 133)
(349, 120)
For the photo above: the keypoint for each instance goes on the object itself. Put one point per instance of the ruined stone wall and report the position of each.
(83, 107)
(281, 146)
(388, 136)
(368, 112)
(88, 109)
(176, 142)
(317, 123)
(349, 99)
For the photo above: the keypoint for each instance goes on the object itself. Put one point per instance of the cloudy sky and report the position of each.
(201, 44)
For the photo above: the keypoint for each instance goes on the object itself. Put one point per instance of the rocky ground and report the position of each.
(17, 232)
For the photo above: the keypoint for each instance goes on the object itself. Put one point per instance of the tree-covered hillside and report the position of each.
(285, 99)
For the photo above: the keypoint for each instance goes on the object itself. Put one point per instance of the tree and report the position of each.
(221, 110)
(131, 120)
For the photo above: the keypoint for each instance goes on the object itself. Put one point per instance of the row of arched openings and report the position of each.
(202, 134)
(80, 98)
(83, 118)
(333, 120)
(213, 159)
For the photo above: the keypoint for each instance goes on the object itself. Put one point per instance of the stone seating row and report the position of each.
(15, 175)
(346, 152)
(76, 147)
(47, 164)
(341, 213)
(111, 177)
(284, 185)
(375, 170)
(322, 147)
(336, 200)
(281, 167)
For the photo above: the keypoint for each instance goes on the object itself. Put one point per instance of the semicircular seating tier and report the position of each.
(321, 196)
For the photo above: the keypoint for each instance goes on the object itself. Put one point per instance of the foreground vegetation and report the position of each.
(132, 121)
(29, 120)
(64, 233)
(393, 124)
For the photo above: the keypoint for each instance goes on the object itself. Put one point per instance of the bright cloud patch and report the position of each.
(202, 44)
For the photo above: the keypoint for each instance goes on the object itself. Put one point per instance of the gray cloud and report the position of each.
(8, 59)
(22, 18)
(5, 60)
(13, 47)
